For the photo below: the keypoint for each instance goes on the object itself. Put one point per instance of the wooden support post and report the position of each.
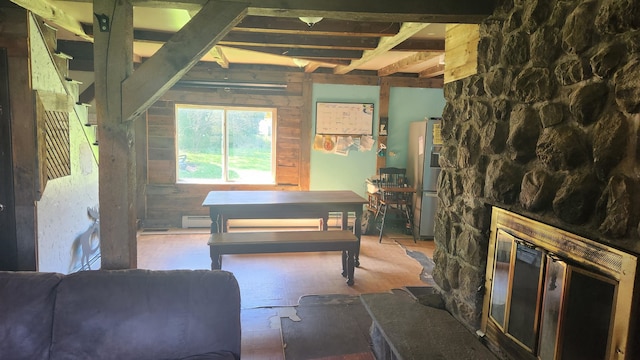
(113, 62)
(385, 90)
(306, 137)
(20, 238)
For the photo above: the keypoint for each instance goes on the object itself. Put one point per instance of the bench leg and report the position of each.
(348, 265)
(351, 255)
(216, 258)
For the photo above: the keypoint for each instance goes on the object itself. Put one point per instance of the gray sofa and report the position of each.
(120, 314)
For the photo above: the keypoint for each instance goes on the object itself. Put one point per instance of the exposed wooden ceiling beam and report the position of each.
(407, 30)
(433, 71)
(270, 40)
(311, 67)
(408, 62)
(160, 72)
(420, 45)
(49, 12)
(215, 52)
(450, 11)
(218, 54)
(300, 41)
(265, 24)
(306, 53)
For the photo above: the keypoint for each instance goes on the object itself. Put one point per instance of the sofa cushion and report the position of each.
(27, 302)
(142, 314)
(225, 355)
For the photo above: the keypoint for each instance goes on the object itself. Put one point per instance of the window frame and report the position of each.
(225, 139)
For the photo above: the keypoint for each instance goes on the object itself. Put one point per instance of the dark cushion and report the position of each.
(142, 314)
(26, 303)
(225, 355)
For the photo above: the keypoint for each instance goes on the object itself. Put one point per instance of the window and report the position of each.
(225, 144)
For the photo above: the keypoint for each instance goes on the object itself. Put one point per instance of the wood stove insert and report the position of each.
(551, 294)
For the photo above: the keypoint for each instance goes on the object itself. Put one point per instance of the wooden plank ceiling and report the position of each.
(384, 38)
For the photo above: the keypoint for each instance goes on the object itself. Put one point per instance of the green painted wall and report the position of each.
(407, 105)
(337, 172)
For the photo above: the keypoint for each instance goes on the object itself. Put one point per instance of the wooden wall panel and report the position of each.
(167, 201)
(461, 51)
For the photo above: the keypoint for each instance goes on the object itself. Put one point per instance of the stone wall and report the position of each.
(548, 128)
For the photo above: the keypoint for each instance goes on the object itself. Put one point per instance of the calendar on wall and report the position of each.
(335, 118)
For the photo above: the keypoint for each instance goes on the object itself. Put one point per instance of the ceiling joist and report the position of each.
(450, 11)
(433, 71)
(51, 13)
(354, 35)
(407, 30)
(327, 27)
(408, 62)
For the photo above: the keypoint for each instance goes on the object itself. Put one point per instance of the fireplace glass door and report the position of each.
(533, 290)
(552, 308)
(554, 295)
(515, 300)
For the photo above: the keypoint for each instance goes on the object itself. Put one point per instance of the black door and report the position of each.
(8, 240)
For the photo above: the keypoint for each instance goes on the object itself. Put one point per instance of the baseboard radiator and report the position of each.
(335, 220)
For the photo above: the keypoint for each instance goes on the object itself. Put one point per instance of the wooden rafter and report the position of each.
(433, 71)
(407, 30)
(420, 45)
(407, 62)
(311, 67)
(178, 55)
(319, 54)
(216, 52)
(50, 12)
(302, 41)
(450, 11)
(271, 25)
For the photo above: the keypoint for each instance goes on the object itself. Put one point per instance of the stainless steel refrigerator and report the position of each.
(422, 172)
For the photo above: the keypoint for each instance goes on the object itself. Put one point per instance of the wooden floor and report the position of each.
(271, 284)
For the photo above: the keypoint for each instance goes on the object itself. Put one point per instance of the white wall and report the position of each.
(62, 210)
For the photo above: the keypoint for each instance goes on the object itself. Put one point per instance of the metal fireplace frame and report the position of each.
(610, 263)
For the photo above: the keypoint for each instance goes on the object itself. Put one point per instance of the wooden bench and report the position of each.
(286, 241)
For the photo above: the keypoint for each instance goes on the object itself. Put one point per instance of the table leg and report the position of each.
(214, 221)
(345, 264)
(357, 230)
(345, 220)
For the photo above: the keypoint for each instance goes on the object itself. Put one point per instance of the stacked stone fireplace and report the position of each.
(548, 128)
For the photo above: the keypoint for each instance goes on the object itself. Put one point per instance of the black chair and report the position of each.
(394, 195)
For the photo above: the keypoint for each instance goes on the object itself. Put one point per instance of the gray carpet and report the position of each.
(330, 325)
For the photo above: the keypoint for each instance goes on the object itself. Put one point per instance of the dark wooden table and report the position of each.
(225, 205)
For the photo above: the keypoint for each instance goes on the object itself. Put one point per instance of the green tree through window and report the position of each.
(225, 144)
